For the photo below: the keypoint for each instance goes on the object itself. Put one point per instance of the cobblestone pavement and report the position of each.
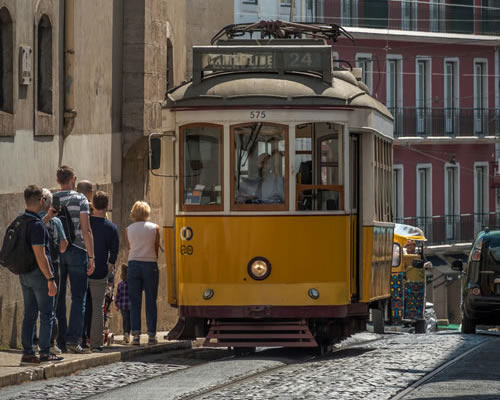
(376, 370)
(373, 371)
(98, 380)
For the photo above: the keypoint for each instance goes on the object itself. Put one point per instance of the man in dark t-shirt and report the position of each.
(106, 243)
(38, 286)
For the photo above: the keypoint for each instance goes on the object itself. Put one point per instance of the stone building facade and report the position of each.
(82, 84)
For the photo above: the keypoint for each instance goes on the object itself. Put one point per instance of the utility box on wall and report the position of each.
(25, 65)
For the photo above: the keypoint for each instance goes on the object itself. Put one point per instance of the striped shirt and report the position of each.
(77, 204)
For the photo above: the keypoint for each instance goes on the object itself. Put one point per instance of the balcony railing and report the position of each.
(416, 16)
(446, 122)
(451, 229)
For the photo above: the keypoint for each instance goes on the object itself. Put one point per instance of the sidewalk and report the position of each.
(11, 373)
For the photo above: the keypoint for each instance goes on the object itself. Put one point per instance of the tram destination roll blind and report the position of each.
(263, 61)
(237, 61)
(215, 59)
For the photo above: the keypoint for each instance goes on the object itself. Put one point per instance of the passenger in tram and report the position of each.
(272, 186)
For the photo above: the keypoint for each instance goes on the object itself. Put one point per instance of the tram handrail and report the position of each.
(332, 188)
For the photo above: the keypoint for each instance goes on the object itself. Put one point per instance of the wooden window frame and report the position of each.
(259, 207)
(200, 207)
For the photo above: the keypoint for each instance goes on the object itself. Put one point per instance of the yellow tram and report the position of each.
(282, 166)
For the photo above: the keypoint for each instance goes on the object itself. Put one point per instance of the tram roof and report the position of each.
(272, 89)
(279, 72)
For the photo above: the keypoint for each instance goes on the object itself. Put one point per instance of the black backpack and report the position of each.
(67, 223)
(54, 240)
(16, 254)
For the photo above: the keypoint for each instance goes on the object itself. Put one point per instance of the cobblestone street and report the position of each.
(366, 369)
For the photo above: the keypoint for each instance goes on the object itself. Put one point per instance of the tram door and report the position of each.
(319, 167)
(354, 203)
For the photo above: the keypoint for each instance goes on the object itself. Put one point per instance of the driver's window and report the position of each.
(201, 167)
(319, 167)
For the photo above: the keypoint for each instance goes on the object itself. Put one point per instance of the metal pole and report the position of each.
(292, 9)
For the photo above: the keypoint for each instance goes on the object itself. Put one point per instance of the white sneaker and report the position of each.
(126, 338)
(54, 349)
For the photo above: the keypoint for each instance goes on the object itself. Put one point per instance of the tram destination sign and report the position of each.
(212, 59)
(259, 59)
(238, 61)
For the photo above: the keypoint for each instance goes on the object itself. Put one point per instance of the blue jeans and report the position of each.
(36, 299)
(141, 276)
(125, 321)
(74, 263)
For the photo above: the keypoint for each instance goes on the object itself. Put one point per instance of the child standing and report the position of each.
(123, 304)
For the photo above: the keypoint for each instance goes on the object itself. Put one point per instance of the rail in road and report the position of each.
(366, 366)
(346, 347)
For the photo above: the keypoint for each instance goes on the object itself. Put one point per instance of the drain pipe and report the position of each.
(69, 53)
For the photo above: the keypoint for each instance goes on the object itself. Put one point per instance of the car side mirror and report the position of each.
(457, 265)
(418, 263)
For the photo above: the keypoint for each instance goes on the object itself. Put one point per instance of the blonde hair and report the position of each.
(140, 211)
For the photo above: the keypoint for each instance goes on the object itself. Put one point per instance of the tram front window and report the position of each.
(259, 158)
(201, 167)
(318, 167)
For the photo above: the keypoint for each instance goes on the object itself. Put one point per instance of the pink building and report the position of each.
(435, 64)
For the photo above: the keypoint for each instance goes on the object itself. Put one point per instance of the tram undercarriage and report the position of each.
(271, 332)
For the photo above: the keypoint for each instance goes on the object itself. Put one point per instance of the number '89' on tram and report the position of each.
(278, 174)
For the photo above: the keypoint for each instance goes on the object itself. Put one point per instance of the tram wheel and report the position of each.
(243, 351)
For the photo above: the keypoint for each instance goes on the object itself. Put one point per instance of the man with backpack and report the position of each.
(25, 251)
(78, 260)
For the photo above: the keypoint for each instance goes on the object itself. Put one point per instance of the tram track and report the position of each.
(251, 376)
(447, 364)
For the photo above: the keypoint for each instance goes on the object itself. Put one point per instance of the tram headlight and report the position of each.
(259, 268)
(208, 294)
(313, 293)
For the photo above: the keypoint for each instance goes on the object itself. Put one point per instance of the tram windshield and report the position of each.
(259, 160)
(201, 163)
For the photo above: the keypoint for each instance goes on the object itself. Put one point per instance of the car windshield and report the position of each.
(491, 254)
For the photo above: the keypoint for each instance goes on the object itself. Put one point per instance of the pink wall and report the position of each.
(438, 155)
(409, 51)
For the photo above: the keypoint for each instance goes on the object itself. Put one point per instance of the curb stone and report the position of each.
(69, 367)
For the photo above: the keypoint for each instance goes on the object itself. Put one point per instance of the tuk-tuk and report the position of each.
(408, 277)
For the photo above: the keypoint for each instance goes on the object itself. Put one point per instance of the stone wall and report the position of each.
(120, 80)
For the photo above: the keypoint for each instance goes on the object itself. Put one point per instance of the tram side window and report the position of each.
(201, 167)
(319, 167)
(259, 159)
(383, 180)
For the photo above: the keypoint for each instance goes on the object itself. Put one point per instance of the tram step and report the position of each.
(259, 334)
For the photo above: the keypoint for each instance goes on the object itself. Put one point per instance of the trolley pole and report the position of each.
(292, 9)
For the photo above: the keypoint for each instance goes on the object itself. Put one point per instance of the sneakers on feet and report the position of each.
(51, 357)
(98, 348)
(77, 349)
(152, 340)
(126, 338)
(30, 360)
(136, 341)
(55, 349)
